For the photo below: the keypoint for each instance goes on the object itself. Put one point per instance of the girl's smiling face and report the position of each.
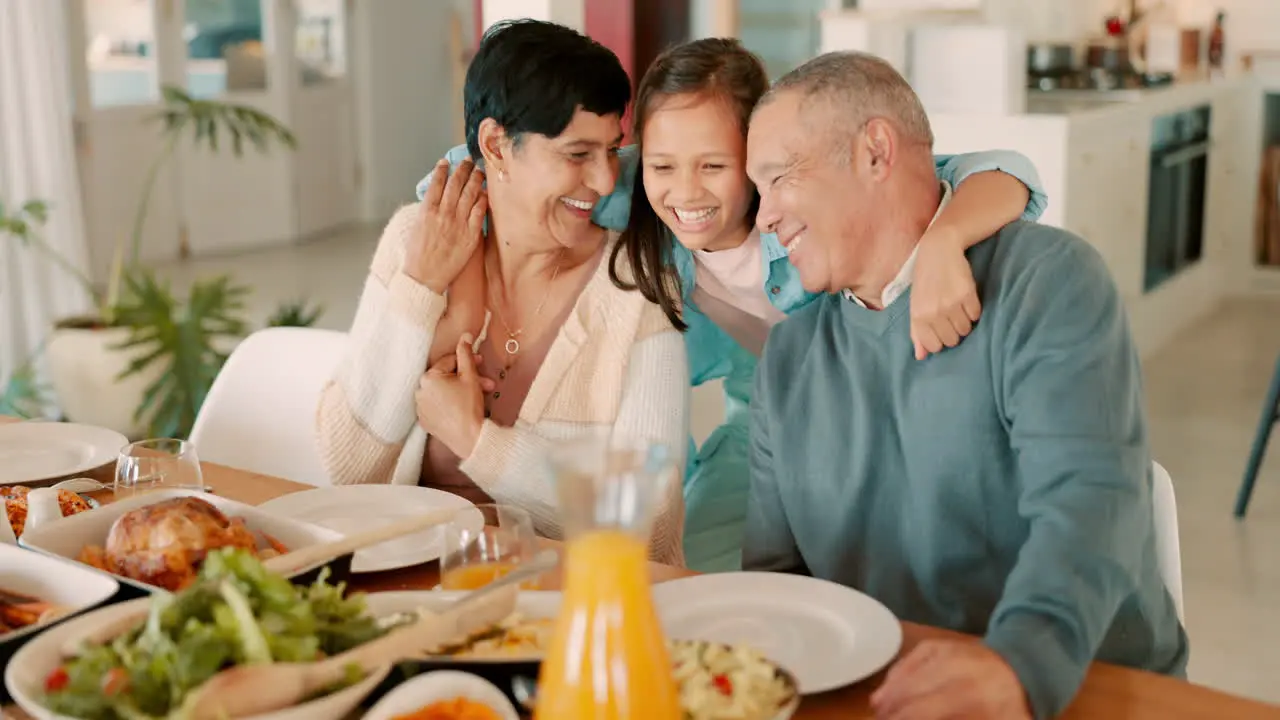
(694, 165)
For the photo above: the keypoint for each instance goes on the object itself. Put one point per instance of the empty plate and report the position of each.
(35, 451)
(352, 508)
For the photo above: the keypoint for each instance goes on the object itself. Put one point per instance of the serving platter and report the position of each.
(66, 537)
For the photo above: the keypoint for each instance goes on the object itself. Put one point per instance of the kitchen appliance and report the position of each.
(1154, 39)
(1050, 58)
(1110, 53)
(1048, 64)
(1179, 168)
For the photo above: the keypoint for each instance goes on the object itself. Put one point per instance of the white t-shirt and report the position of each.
(729, 290)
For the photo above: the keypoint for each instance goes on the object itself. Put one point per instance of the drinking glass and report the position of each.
(485, 542)
(163, 463)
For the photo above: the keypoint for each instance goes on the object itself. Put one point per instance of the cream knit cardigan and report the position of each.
(616, 365)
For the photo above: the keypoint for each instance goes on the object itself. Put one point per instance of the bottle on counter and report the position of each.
(1217, 44)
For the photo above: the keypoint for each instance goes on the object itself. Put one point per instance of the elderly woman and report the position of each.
(565, 353)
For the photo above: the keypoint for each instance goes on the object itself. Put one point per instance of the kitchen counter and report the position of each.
(1155, 100)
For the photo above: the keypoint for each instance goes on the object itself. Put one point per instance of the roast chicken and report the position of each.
(163, 544)
(14, 500)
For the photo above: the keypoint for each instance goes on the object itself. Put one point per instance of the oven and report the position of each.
(1180, 145)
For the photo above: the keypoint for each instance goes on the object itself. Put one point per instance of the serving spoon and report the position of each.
(253, 689)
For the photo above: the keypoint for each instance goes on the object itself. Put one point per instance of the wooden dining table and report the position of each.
(1108, 691)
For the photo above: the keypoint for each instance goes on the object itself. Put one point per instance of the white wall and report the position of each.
(402, 68)
(570, 13)
(701, 19)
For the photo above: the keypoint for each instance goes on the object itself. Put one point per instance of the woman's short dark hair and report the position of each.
(532, 76)
(717, 68)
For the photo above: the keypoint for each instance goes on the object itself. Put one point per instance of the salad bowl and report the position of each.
(237, 613)
(441, 686)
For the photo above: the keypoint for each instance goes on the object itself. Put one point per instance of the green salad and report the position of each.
(237, 613)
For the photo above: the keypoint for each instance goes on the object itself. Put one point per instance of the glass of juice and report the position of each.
(483, 543)
(608, 655)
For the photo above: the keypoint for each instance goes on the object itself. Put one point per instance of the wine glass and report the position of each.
(163, 463)
(485, 542)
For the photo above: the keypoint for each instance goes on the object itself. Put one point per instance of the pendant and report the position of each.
(513, 346)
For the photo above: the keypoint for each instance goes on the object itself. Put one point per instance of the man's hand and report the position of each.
(951, 679)
(944, 298)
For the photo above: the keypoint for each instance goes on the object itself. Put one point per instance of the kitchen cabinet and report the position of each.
(1106, 190)
(1234, 163)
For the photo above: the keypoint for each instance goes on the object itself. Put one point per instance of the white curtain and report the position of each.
(37, 161)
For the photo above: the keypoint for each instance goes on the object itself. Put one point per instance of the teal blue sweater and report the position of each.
(1001, 488)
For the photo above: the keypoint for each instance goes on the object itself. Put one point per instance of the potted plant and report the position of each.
(22, 394)
(143, 361)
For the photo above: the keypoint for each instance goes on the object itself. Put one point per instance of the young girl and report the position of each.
(693, 242)
(694, 251)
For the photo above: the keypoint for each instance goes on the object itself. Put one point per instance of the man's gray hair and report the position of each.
(858, 87)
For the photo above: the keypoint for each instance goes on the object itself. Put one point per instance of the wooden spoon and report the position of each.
(312, 554)
(254, 689)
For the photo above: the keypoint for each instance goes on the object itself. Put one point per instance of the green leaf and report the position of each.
(36, 210)
(296, 313)
(24, 395)
(179, 337)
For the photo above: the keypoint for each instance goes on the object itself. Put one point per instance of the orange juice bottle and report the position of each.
(608, 657)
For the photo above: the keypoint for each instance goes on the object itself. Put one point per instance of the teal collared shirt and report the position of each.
(716, 475)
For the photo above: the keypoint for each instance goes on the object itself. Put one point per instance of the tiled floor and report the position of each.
(1204, 393)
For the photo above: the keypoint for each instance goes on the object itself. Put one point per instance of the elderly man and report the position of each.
(1002, 488)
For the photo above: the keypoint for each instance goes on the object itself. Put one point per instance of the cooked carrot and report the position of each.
(275, 544)
(459, 708)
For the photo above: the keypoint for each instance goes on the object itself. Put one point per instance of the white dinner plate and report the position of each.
(827, 635)
(35, 451)
(70, 586)
(352, 508)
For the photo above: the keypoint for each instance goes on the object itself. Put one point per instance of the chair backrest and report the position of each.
(260, 413)
(1168, 547)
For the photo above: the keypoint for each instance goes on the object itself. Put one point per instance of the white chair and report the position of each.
(260, 414)
(1168, 547)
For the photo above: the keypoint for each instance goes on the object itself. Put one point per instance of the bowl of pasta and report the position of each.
(719, 682)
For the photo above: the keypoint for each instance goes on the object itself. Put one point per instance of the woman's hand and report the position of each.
(944, 298)
(450, 399)
(450, 226)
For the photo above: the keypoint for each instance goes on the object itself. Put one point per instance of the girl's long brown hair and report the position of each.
(718, 68)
